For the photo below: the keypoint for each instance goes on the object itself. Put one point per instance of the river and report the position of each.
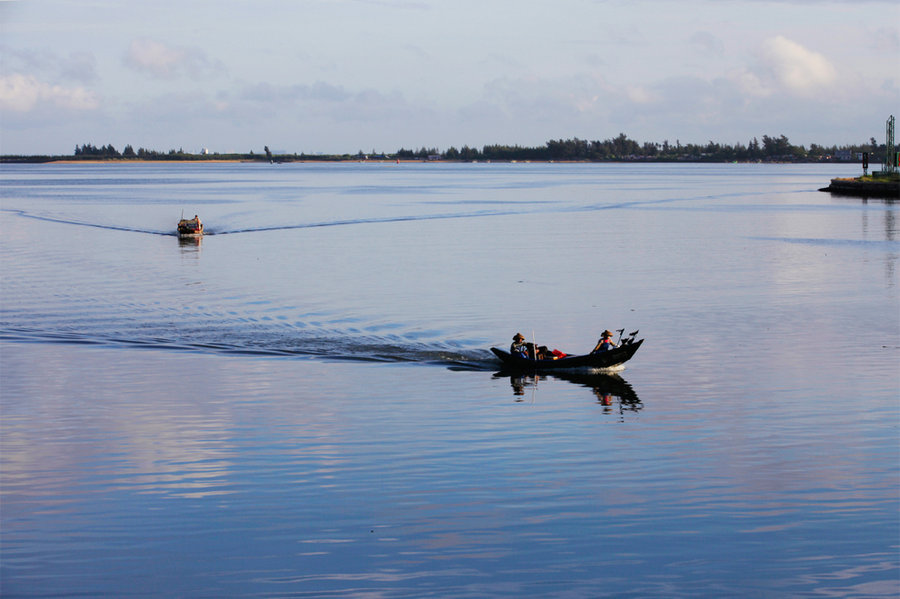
(302, 402)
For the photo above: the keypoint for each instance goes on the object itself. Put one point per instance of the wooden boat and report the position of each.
(190, 227)
(605, 360)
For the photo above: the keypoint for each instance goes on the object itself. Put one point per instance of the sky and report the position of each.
(342, 76)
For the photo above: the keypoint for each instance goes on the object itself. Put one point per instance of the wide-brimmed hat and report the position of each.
(607, 333)
(518, 336)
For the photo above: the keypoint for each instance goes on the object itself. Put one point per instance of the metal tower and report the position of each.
(890, 153)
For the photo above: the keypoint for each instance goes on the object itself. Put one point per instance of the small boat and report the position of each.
(604, 360)
(190, 227)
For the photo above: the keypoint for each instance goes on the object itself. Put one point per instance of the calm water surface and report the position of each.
(303, 404)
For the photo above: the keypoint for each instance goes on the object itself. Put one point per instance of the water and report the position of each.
(302, 403)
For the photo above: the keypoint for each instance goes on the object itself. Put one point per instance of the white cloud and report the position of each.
(23, 93)
(796, 68)
(640, 95)
(167, 62)
(750, 83)
(785, 67)
(154, 58)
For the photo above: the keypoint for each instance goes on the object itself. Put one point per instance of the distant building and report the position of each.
(844, 155)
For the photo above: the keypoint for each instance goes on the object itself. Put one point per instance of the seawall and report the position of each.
(865, 188)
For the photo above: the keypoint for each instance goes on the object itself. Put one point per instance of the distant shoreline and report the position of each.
(135, 161)
(236, 161)
(326, 160)
(70, 160)
(620, 149)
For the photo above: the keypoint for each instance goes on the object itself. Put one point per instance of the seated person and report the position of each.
(527, 350)
(519, 347)
(605, 344)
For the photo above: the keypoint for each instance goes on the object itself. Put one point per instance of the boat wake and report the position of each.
(364, 221)
(220, 230)
(68, 221)
(325, 348)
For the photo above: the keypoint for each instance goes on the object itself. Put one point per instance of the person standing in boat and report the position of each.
(518, 346)
(605, 344)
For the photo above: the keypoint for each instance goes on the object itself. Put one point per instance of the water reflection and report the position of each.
(888, 226)
(190, 243)
(889, 223)
(610, 390)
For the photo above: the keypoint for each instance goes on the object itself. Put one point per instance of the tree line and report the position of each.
(619, 148)
(622, 148)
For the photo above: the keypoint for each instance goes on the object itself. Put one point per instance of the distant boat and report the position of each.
(190, 227)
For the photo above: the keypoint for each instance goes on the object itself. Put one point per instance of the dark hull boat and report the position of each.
(595, 361)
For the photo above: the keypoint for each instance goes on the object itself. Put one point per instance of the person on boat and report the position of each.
(518, 346)
(605, 344)
(527, 350)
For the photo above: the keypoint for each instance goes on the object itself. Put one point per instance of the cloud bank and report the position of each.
(25, 93)
(796, 68)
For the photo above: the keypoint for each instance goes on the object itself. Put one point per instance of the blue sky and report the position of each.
(348, 75)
